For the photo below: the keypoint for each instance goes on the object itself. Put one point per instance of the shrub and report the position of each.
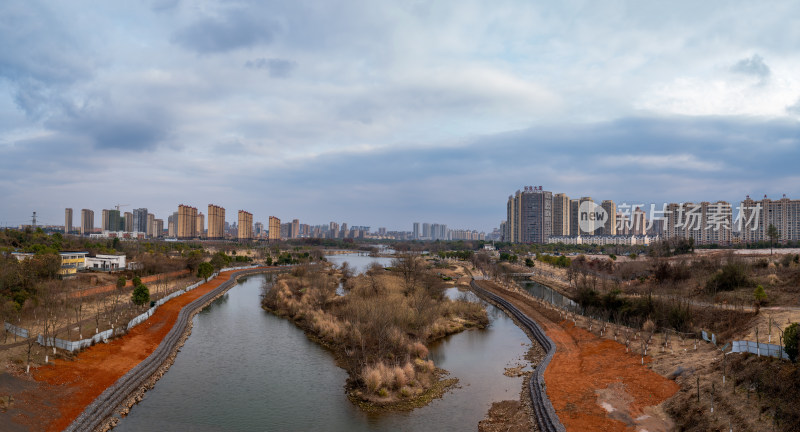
(405, 392)
(649, 326)
(790, 344)
(732, 275)
(400, 379)
(205, 270)
(372, 378)
(419, 350)
(141, 295)
(759, 295)
(410, 373)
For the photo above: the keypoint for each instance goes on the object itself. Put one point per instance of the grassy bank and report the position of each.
(380, 329)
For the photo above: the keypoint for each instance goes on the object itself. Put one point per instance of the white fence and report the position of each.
(759, 349)
(76, 345)
(238, 268)
(143, 317)
(19, 331)
(103, 336)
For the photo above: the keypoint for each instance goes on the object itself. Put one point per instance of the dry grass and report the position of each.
(379, 329)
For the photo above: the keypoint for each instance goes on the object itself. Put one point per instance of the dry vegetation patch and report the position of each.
(379, 330)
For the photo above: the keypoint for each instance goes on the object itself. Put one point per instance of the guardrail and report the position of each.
(543, 409)
(104, 405)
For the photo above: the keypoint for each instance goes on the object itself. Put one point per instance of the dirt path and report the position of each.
(592, 383)
(83, 379)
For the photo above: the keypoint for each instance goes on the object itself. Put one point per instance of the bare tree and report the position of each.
(347, 271)
(409, 267)
(6, 312)
(49, 301)
(77, 309)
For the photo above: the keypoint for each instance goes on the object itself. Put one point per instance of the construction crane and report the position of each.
(121, 205)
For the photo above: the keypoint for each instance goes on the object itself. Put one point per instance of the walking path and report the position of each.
(593, 384)
(100, 366)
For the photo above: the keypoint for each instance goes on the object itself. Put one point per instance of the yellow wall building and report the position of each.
(216, 222)
(245, 225)
(274, 228)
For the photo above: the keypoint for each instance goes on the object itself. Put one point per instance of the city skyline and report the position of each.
(386, 114)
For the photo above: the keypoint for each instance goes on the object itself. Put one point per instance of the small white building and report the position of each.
(106, 262)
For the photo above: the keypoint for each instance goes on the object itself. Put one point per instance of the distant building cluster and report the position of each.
(437, 231)
(534, 215)
(188, 223)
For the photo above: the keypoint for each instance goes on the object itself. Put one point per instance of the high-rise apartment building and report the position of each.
(216, 222)
(510, 232)
(609, 226)
(333, 230)
(583, 225)
(706, 223)
(639, 224)
(201, 225)
(624, 224)
(532, 216)
(426, 231)
(561, 215)
(172, 221)
(415, 232)
(295, 229)
(158, 228)
(87, 221)
(245, 231)
(258, 231)
(186, 225)
(128, 222)
(756, 217)
(67, 220)
(140, 220)
(275, 228)
(151, 231)
(104, 217)
(574, 217)
(113, 221)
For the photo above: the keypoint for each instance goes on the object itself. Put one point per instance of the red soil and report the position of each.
(96, 368)
(585, 364)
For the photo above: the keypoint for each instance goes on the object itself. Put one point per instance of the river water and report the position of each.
(360, 263)
(244, 369)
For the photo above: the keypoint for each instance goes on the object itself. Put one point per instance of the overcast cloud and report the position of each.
(386, 113)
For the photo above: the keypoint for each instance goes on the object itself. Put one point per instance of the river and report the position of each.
(244, 369)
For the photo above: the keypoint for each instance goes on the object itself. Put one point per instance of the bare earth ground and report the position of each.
(65, 387)
(685, 361)
(593, 383)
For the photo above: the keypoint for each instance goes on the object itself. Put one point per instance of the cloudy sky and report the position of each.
(382, 113)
